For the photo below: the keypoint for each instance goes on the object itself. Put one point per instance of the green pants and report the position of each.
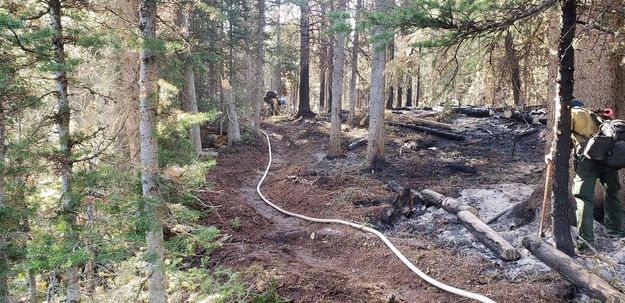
(586, 174)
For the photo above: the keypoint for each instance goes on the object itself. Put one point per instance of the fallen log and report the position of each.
(419, 121)
(467, 215)
(474, 112)
(525, 117)
(487, 236)
(449, 204)
(429, 130)
(573, 271)
(357, 143)
(425, 114)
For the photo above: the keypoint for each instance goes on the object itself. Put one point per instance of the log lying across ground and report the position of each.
(425, 122)
(468, 217)
(357, 143)
(474, 111)
(573, 271)
(430, 130)
(526, 117)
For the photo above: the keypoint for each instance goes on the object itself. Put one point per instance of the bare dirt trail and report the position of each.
(324, 263)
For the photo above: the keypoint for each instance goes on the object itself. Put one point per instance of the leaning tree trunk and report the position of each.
(562, 129)
(375, 148)
(353, 81)
(62, 124)
(304, 83)
(260, 57)
(190, 101)
(513, 63)
(154, 207)
(334, 147)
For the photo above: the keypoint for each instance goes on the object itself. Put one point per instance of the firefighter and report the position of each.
(272, 101)
(585, 123)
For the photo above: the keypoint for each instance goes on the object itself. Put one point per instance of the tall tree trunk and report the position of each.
(322, 83)
(391, 90)
(409, 92)
(418, 86)
(4, 261)
(513, 62)
(353, 81)
(304, 70)
(329, 78)
(334, 147)
(562, 129)
(234, 132)
(277, 81)
(260, 57)
(375, 148)
(62, 118)
(190, 98)
(323, 59)
(400, 91)
(154, 207)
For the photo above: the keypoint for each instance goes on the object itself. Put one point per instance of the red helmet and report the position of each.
(607, 113)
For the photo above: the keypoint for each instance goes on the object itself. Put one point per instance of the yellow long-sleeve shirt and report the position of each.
(584, 124)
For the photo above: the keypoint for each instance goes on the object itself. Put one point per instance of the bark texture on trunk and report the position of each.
(409, 92)
(277, 82)
(334, 147)
(190, 97)
(260, 57)
(562, 129)
(375, 148)
(4, 261)
(391, 90)
(304, 83)
(515, 74)
(353, 81)
(234, 133)
(148, 105)
(330, 71)
(62, 119)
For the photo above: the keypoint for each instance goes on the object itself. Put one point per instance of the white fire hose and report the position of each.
(388, 243)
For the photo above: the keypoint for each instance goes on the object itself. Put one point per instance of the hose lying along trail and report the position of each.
(388, 243)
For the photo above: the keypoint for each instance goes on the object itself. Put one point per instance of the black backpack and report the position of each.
(608, 145)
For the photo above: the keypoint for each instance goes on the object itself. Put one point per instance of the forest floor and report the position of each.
(329, 263)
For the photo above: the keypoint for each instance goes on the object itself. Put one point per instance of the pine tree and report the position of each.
(148, 103)
(304, 83)
(340, 29)
(375, 148)
(562, 128)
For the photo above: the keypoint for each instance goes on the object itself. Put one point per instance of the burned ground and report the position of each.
(328, 263)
